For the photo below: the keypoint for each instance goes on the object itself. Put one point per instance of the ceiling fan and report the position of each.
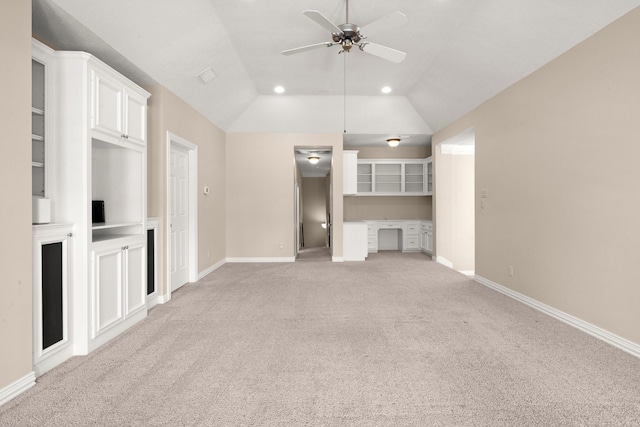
(348, 35)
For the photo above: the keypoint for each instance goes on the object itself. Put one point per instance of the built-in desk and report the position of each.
(402, 235)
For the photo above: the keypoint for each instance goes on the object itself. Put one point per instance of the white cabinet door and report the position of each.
(118, 112)
(429, 177)
(135, 261)
(135, 118)
(107, 289)
(107, 103)
(350, 172)
(430, 242)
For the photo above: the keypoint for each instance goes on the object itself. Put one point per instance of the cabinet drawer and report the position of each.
(426, 226)
(413, 228)
(383, 225)
(412, 243)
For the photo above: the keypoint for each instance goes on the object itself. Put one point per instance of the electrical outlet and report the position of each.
(510, 271)
(484, 193)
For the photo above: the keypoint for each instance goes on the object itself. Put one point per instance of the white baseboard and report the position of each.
(595, 331)
(260, 259)
(211, 269)
(444, 261)
(470, 273)
(337, 259)
(17, 387)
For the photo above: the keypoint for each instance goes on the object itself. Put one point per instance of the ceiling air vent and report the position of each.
(206, 76)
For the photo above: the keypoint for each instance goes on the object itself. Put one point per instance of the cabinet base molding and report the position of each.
(211, 269)
(56, 358)
(113, 331)
(623, 344)
(260, 259)
(17, 387)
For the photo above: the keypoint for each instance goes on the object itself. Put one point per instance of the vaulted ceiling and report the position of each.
(459, 54)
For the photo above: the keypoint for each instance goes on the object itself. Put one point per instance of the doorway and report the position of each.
(313, 189)
(455, 204)
(182, 208)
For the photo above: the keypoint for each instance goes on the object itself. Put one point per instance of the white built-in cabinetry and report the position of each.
(42, 113)
(350, 172)
(354, 236)
(387, 177)
(393, 177)
(426, 237)
(101, 155)
(408, 235)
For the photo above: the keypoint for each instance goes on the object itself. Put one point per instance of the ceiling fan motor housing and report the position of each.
(350, 35)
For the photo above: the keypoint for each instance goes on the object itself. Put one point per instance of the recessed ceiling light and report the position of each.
(386, 89)
(278, 89)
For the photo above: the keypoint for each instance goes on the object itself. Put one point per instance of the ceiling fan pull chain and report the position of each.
(345, 94)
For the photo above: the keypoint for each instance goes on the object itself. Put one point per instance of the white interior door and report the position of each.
(179, 216)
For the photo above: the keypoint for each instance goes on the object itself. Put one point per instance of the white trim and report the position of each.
(595, 331)
(211, 269)
(444, 261)
(260, 259)
(17, 387)
(173, 139)
(457, 149)
(163, 299)
(337, 259)
(469, 273)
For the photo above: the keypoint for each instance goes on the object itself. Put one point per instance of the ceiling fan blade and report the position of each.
(321, 20)
(384, 52)
(388, 22)
(305, 48)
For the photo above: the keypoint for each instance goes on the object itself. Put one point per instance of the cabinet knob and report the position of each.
(70, 235)
(122, 135)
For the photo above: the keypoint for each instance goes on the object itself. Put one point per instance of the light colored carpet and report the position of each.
(319, 254)
(397, 340)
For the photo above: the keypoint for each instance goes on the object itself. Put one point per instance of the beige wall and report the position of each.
(260, 192)
(314, 211)
(455, 211)
(15, 175)
(167, 112)
(383, 207)
(558, 153)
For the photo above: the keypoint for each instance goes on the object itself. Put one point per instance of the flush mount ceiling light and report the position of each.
(278, 89)
(313, 159)
(386, 89)
(393, 142)
(206, 76)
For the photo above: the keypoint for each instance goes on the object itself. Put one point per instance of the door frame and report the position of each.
(192, 252)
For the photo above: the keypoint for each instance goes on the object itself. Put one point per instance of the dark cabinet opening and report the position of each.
(151, 280)
(52, 294)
